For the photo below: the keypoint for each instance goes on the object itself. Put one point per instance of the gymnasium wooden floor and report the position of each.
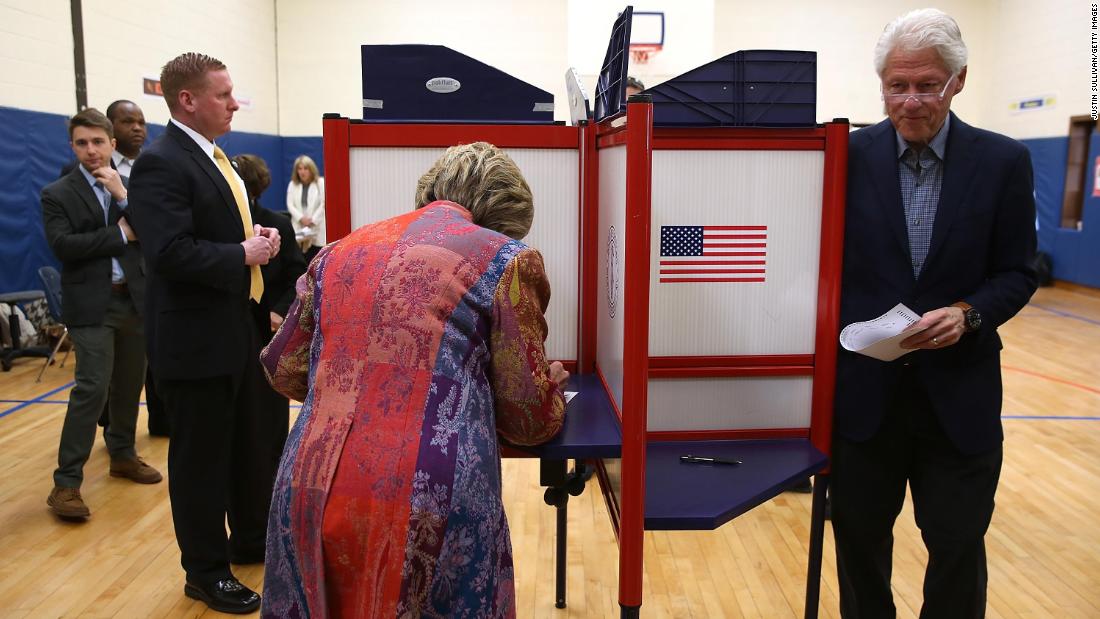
(1044, 544)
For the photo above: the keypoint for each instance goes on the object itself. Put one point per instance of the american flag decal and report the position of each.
(713, 254)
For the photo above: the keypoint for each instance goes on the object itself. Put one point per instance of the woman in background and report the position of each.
(305, 201)
(270, 426)
(414, 344)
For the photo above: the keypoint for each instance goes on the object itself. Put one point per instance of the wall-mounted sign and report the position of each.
(1031, 104)
(151, 87)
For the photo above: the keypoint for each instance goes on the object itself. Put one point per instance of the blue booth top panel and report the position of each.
(436, 84)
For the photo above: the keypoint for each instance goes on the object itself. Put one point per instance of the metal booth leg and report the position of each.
(552, 473)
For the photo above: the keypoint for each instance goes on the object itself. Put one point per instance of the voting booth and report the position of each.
(695, 285)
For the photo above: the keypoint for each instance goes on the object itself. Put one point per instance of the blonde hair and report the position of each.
(304, 159)
(186, 72)
(484, 180)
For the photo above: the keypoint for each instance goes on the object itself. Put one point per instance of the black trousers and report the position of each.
(217, 469)
(952, 502)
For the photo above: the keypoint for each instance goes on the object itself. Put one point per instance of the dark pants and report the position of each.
(154, 406)
(952, 502)
(109, 358)
(217, 469)
(158, 417)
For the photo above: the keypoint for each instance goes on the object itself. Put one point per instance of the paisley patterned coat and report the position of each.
(414, 343)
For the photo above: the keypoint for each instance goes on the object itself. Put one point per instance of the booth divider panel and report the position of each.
(763, 402)
(611, 256)
(383, 182)
(761, 217)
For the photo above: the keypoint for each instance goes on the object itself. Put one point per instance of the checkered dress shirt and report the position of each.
(921, 178)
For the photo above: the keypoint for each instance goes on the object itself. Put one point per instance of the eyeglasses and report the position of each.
(921, 97)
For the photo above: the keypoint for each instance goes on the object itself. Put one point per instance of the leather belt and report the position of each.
(120, 288)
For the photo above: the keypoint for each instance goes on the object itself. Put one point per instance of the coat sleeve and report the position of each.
(68, 244)
(318, 210)
(529, 405)
(1011, 280)
(286, 358)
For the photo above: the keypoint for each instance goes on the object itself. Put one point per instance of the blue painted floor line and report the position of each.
(42, 399)
(36, 400)
(1065, 314)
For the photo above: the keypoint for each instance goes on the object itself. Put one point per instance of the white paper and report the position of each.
(569, 395)
(879, 338)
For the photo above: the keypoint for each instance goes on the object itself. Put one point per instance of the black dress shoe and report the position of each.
(227, 596)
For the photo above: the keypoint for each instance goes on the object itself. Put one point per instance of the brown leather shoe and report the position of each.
(135, 470)
(66, 503)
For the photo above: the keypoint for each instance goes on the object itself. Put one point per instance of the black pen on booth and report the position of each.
(708, 460)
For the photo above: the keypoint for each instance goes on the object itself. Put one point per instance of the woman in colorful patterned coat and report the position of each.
(414, 343)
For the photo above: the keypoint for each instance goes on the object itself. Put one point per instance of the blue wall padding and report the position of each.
(33, 149)
(1075, 254)
(34, 146)
(1088, 256)
(1048, 158)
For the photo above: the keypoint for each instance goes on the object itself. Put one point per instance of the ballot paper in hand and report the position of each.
(880, 338)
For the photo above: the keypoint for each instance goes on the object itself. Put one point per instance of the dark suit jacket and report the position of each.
(283, 271)
(73, 219)
(197, 314)
(983, 241)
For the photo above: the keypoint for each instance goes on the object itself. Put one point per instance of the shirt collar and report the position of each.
(88, 176)
(118, 158)
(206, 145)
(938, 143)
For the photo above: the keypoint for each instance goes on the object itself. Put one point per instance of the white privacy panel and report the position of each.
(383, 185)
(734, 262)
(612, 261)
(750, 403)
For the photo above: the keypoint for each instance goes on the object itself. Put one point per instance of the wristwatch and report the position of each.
(972, 318)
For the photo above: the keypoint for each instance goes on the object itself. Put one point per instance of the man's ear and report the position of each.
(960, 81)
(186, 100)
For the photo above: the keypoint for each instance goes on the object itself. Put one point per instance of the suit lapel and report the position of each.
(959, 173)
(87, 195)
(883, 162)
(209, 168)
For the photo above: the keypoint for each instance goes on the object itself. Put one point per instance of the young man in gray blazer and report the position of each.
(102, 289)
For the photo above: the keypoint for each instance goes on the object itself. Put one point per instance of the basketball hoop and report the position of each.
(640, 53)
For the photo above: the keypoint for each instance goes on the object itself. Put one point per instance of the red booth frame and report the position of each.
(640, 138)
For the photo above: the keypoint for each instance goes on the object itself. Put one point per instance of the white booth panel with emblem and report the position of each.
(611, 269)
(734, 262)
(383, 185)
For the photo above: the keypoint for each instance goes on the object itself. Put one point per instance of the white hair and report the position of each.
(923, 29)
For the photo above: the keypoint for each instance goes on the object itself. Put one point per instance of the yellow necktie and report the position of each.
(256, 285)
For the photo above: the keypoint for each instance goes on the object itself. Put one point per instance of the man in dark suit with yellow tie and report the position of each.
(102, 286)
(204, 255)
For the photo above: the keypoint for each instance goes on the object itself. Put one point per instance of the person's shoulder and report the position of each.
(61, 185)
(989, 142)
(862, 137)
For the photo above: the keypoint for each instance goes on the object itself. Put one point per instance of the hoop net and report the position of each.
(640, 53)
